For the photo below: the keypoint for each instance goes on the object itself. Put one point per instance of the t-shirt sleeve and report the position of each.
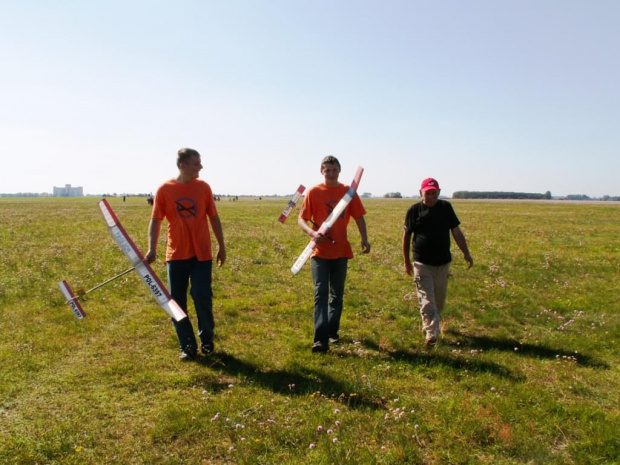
(453, 220)
(356, 208)
(305, 213)
(211, 208)
(409, 221)
(158, 212)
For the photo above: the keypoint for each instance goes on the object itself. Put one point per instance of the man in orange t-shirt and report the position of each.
(330, 257)
(186, 202)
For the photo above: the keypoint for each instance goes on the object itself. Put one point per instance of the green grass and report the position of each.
(527, 370)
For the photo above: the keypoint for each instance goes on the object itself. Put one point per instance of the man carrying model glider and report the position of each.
(333, 250)
(186, 202)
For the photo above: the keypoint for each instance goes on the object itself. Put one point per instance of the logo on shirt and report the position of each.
(186, 207)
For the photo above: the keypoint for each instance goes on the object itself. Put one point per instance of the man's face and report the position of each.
(331, 171)
(430, 197)
(192, 167)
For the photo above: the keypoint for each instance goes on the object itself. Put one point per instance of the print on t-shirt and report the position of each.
(186, 207)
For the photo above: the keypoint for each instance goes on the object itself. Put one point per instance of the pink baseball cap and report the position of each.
(429, 184)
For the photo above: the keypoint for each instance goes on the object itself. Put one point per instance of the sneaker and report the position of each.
(318, 347)
(430, 341)
(207, 347)
(187, 356)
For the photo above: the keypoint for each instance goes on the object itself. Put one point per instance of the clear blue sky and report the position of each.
(511, 95)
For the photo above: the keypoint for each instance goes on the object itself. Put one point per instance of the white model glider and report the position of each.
(136, 258)
(291, 203)
(329, 222)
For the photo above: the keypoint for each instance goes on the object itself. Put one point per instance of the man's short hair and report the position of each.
(330, 160)
(185, 154)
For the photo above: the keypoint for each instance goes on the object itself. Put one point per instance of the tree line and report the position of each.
(500, 195)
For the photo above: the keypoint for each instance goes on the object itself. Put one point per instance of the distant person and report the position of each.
(330, 258)
(186, 202)
(430, 222)
(149, 199)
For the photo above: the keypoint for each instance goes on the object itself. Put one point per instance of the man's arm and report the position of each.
(407, 252)
(315, 235)
(154, 228)
(361, 225)
(459, 238)
(216, 224)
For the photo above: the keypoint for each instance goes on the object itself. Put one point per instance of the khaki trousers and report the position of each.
(432, 286)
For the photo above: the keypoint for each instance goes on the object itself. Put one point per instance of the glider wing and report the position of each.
(291, 203)
(136, 258)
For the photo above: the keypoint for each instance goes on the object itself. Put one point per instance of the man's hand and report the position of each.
(221, 256)
(365, 247)
(150, 256)
(408, 268)
(319, 237)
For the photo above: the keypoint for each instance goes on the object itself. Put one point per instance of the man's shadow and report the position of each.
(466, 341)
(301, 382)
(430, 358)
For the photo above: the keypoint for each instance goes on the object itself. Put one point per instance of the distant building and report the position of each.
(68, 191)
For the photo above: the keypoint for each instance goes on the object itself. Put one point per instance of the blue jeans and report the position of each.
(180, 274)
(329, 276)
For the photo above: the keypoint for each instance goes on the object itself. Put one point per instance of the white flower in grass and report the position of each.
(330, 431)
(337, 411)
(319, 428)
(335, 440)
(337, 422)
(312, 446)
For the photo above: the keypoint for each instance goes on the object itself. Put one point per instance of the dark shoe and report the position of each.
(207, 347)
(187, 356)
(319, 348)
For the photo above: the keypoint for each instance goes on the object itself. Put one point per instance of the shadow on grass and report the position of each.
(434, 357)
(529, 350)
(302, 382)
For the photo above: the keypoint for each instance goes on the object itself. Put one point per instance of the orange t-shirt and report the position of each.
(318, 204)
(186, 207)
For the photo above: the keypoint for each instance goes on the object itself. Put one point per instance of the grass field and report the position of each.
(527, 370)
